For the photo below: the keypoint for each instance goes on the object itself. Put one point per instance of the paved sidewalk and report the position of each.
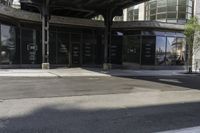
(83, 72)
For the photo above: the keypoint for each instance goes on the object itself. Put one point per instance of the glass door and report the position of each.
(132, 50)
(7, 44)
(75, 49)
(63, 41)
(29, 46)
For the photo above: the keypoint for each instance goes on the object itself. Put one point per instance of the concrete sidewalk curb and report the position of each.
(79, 72)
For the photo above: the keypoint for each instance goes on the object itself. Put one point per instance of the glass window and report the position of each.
(148, 50)
(153, 17)
(6, 2)
(153, 11)
(183, 21)
(181, 51)
(52, 48)
(172, 11)
(182, 8)
(189, 3)
(170, 34)
(7, 44)
(182, 2)
(171, 51)
(171, 8)
(161, 16)
(130, 15)
(179, 34)
(171, 15)
(162, 3)
(132, 49)
(162, 9)
(189, 16)
(136, 13)
(63, 48)
(172, 3)
(160, 50)
(148, 33)
(136, 17)
(30, 47)
(181, 15)
(189, 9)
(153, 4)
(88, 47)
(159, 33)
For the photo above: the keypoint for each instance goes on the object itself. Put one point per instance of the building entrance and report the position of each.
(31, 50)
(132, 50)
(75, 40)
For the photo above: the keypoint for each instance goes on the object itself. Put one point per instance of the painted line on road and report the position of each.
(184, 130)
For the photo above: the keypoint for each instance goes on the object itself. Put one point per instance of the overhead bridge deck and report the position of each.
(8, 13)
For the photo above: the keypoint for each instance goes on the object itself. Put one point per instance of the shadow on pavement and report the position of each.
(56, 119)
(17, 88)
(190, 82)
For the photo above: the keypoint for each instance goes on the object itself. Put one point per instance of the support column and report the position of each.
(108, 34)
(45, 35)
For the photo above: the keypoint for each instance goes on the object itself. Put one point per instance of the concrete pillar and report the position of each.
(125, 14)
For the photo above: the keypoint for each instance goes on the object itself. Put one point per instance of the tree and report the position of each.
(192, 33)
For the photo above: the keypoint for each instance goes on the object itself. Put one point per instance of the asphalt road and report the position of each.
(98, 104)
(17, 88)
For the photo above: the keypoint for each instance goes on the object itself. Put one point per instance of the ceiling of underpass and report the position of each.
(79, 8)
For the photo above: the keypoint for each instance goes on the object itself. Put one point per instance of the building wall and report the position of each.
(137, 37)
(125, 14)
(141, 12)
(196, 56)
(197, 8)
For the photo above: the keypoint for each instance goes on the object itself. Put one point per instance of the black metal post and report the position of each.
(45, 35)
(108, 34)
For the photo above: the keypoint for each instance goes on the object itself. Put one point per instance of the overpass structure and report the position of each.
(79, 9)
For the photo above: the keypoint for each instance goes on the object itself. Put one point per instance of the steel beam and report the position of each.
(45, 35)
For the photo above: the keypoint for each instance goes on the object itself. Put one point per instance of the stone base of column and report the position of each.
(45, 66)
(107, 66)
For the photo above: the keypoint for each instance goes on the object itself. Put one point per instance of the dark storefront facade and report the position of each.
(154, 48)
(70, 47)
(21, 46)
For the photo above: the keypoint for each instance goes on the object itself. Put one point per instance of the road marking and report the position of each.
(184, 130)
(171, 80)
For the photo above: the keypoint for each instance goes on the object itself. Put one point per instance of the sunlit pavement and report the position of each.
(100, 104)
(82, 72)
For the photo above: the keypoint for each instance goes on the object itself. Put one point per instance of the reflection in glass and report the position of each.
(181, 51)
(160, 50)
(133, 13)
(148, 50)
(171, 51)
(171, 11)
(7, 44)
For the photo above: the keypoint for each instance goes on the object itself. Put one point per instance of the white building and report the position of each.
(196, 56)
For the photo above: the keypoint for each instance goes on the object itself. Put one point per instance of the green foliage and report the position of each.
(192, 28)
(192, 33)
